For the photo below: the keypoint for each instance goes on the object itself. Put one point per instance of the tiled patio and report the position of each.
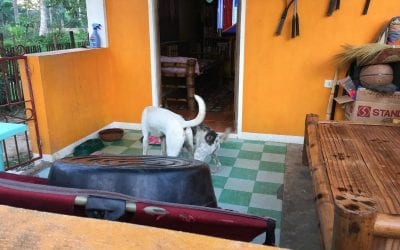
(248, 181)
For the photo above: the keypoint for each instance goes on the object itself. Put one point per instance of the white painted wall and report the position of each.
(96, 13)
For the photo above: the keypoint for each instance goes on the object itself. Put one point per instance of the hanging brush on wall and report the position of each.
(333, 5)
(366, 7)
(283, 17)
(295, 19)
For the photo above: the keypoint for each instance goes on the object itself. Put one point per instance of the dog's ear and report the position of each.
(225, 135)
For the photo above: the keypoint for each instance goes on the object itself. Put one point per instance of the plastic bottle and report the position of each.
(94, 39)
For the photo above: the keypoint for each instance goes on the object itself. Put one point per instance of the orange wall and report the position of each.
(129, 50)
(71, 95)
(283, 78)
(78, 93)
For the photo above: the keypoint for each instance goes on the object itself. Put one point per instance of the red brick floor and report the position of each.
(219, 121)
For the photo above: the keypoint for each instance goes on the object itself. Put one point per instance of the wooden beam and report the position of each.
(355, 216)
(323, 194)
(387, 226)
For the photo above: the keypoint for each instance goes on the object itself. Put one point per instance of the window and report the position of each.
(45, 25)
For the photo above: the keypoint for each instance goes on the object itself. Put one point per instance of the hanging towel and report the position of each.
(227, 14)
(234, 11)
(220, 14)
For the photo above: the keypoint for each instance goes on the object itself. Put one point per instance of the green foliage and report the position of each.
(6, 14)
(17, 33)
(72, 14)
(63, 16)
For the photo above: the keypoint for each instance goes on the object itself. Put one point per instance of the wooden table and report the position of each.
(8, 130)
(30, 229)
(355, 169)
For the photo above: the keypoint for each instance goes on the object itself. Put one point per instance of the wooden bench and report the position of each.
(355, 169)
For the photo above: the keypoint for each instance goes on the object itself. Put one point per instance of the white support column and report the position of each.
(154, 53)
(240, 74)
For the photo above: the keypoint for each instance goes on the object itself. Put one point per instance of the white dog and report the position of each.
(162, 122)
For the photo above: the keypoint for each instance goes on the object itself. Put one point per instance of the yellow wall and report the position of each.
(129, 48)
(79, 93)
(283, 78)
(71, 95)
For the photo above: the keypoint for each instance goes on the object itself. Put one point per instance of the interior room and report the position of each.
(205, 31)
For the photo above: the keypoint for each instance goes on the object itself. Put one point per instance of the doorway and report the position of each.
(195, 29)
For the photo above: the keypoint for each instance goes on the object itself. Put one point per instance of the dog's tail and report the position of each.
(225, 135)
(200, 116)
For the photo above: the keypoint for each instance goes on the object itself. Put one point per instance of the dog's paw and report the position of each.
(216, 169)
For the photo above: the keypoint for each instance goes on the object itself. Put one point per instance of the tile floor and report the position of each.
(248, 180)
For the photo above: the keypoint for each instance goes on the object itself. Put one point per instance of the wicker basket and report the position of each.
(112, 134)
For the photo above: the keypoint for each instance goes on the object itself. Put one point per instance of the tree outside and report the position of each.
(44, 23)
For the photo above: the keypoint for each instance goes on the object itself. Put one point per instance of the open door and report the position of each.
(191, 29)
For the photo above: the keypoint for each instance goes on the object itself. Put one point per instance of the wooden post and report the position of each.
(72, 39)
(387, 226)
(354, 221)
(190, 74)
(323, 193)
(309, 118)
(1, 41)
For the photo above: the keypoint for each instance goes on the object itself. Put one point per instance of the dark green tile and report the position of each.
(218, 181)
(133, 151)
(266, 188)
(107, 143)
(277, 215)
(272, 166)
(275, 149)
(227, 161)
(250, 155)
(243, 173)
(232, 145)
(235, 197)
(122, 142)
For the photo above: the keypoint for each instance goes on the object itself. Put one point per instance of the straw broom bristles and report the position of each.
(361, 54)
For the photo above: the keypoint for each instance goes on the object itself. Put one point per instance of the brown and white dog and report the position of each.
(207, 142)
(174, 131)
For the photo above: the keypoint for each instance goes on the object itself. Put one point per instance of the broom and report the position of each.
(331, 104)
(362, 54)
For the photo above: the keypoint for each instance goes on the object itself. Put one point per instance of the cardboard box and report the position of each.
(370, 106)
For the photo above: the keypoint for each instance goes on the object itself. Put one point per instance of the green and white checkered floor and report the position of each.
(248, 180)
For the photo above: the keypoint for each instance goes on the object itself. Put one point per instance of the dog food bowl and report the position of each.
(111, 134)
(88, 147)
